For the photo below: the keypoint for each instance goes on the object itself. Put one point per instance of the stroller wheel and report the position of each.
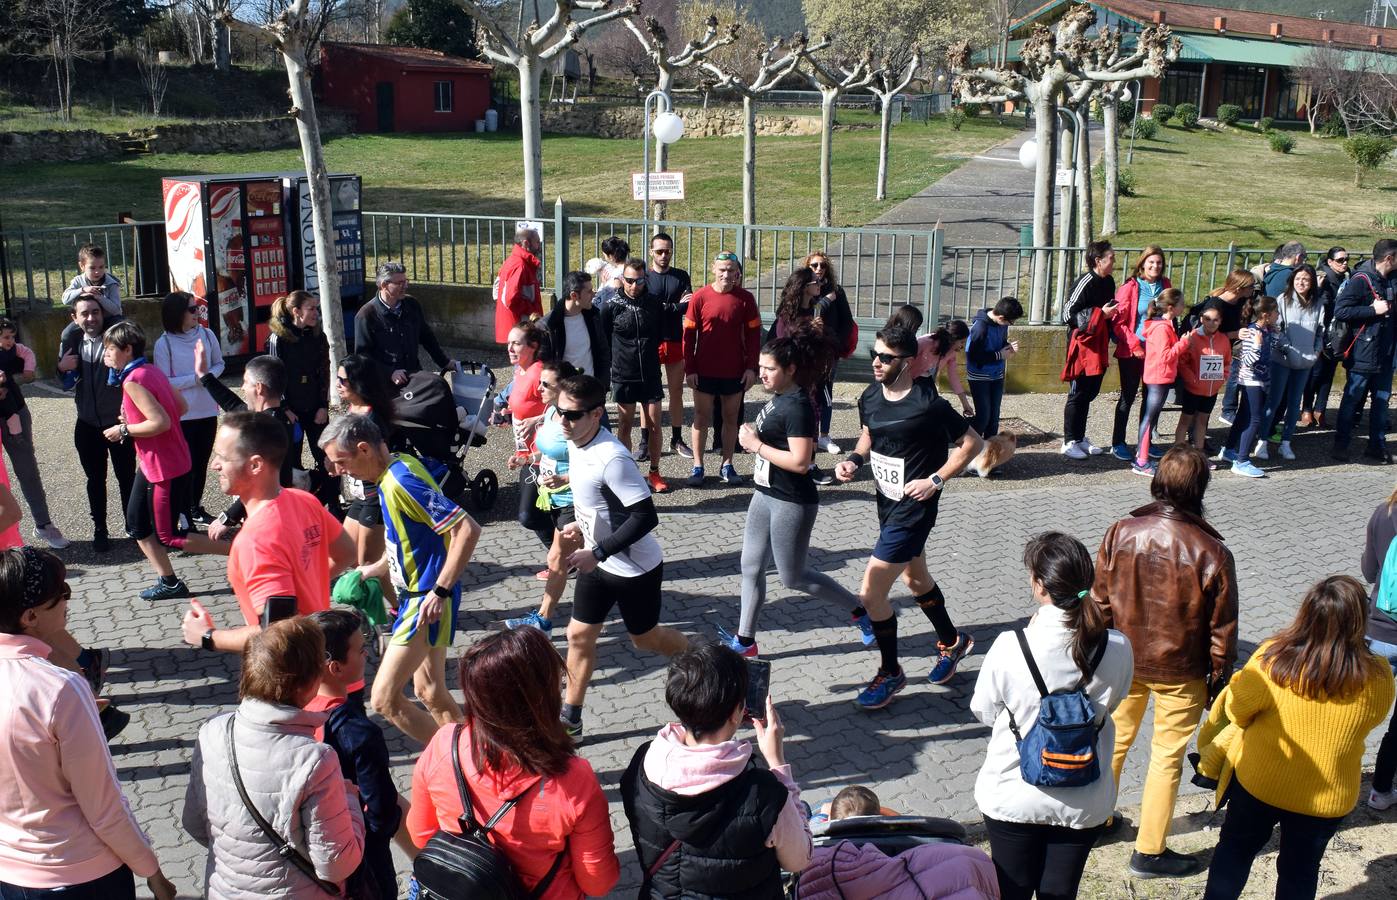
(485, 487)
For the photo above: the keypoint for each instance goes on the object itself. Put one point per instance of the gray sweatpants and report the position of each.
(780, 530)
(25, 467)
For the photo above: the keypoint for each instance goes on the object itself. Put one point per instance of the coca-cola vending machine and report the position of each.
(226, 237)
(347, 229)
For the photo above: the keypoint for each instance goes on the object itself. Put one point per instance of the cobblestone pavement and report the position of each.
(921, 754)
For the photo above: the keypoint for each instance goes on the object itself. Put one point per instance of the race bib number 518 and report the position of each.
(888, 472)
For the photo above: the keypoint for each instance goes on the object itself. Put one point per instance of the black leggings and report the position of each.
(1047, 859)
(1132, 372)
(1321, 382)
(1074, 412)
(199, 435)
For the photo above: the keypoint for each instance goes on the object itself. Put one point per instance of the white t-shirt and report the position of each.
(578, 346)
(605, 480)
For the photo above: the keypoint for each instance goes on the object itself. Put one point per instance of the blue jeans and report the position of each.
(1386, 765)
(988, 396)
(1356, 391)
(1283, 399)
(1241, 437)
(118, 884)
(1230, 397)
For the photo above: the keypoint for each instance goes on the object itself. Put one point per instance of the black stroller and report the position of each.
(890, 834)
(440, 422)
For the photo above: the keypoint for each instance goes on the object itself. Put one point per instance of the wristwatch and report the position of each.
(125, 433)
(599, 553)
(937, 481)
(206, 642)
(443, 593)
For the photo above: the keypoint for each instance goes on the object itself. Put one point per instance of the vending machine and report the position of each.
(227, 242)
(347, 221)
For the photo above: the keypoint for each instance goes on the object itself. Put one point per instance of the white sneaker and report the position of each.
(1286, 452)
(1261, 451)
(1073, 450)
(1089, 448)
(1381, 801)
(826, 445)
(52, 536)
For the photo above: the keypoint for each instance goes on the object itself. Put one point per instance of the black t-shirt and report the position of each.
(785, 416)
(1231, 313)
(911, 438)
(667, 287)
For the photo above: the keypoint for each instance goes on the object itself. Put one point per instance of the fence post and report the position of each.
(560, 246)
(936, 248)
(742, 248)
(1231, 257)
(28, 266)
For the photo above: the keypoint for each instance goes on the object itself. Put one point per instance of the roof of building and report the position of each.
(409, 57)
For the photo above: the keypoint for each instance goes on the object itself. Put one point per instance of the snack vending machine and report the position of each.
(227, 242)
(347, 221)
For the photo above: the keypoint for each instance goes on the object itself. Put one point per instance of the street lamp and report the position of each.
(1028, 154)
(667, 128)
(1130, 154)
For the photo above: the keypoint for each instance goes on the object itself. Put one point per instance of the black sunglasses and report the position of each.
(1340, 259)
(628, 280)
(885, 358)
(545, 385)
(572, 415)
(193, 309)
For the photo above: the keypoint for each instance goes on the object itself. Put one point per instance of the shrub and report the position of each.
(1186, 114)
(956, 118)
(1125, 111)
(1367, 152)
(1333, 127)
(1386, 221)
(1264, 124)
(1162, 113)
(1280, 141)
(1126, 182)
(1145, 128)
(1229, 113)
(972, 109)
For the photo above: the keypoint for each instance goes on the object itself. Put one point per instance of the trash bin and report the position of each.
(1025, 240)
(479, 126)
(492, 120)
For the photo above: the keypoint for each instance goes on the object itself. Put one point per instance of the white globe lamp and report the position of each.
(667, 128)
(1126, 95)
(1028, 154)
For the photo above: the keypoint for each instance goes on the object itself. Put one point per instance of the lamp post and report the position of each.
(1130, 154)
(668, 128)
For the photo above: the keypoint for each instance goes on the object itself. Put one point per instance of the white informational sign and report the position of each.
(663, 186)
(1066, 178)
(524, 225)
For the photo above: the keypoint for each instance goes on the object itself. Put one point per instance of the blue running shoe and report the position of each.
(880, 690)
(746, 651)
(1157, 451)
(1246, 468)
(1121, 452)
(865, 626)
(532, 620)
(695, 479)
(729, 474)
(1228, 456)
(950, 657)
(162, 591)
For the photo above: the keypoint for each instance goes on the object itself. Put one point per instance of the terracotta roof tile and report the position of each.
(415, 57)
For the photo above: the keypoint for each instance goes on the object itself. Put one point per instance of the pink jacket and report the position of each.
(685, 770)
(927, 362)
(848, 871)
(63, 819)
(1127, 316)
(1162, 350)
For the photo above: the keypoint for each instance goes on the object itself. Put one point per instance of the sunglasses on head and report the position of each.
(886, 359)
(727, 256)
(572, 415)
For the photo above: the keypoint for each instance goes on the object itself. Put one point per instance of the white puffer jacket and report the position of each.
(296, 785)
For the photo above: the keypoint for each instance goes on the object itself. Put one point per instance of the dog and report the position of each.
(998, 451)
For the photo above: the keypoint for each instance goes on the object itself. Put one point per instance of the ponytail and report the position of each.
(1063, 567)
(1256, 307)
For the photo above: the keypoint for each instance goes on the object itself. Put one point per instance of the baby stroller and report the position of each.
(890, 834)
(441, 422)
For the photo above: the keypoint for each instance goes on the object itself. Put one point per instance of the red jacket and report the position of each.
(1089, 349)
(516, 292)
(1162, 349)
(1196, 346)
(722, 333)
(1127, 316)
(556, 812)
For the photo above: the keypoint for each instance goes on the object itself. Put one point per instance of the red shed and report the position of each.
(404, 88)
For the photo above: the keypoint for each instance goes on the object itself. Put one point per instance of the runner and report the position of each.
(620, 561)
(782, 513)
(906, 430)
(429, 541)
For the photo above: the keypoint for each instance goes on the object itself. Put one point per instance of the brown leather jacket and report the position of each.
(1167, 582)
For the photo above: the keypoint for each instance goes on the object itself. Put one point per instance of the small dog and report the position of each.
(998, 451)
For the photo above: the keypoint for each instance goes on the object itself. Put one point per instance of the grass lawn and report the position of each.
(482, 174)
(1202, 188)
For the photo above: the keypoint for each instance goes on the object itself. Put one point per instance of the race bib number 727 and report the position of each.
(1210, 367)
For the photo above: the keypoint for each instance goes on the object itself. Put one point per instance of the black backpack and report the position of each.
(467, 866)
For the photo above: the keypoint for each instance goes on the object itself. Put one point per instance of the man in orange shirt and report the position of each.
(289, 545)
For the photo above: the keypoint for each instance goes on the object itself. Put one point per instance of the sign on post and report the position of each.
(663, 186)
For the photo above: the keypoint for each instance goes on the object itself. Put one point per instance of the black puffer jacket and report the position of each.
(635, 330)
(306, 354)
(1371, 334)
(558, 337)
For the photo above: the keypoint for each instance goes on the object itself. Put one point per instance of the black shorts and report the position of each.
(629, 392)
(719, 387)
(154, 508)
(1193, 404)
(366, 512)
(902, 542)
(638, 596)
(563, 516)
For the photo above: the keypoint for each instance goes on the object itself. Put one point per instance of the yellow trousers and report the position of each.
(1177, 709)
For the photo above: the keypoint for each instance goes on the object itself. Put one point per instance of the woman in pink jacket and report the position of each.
(937, 352)
(1146, 283)
(1162, 350)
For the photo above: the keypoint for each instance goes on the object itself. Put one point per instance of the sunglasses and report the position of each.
(1213, 319)
(342, 379)
(886, 359)
(661, 252)
(572, 415)
(629, 280)
(193, 309)
(1340, 259)
(545, 385)
(727, 256)
(818, 265)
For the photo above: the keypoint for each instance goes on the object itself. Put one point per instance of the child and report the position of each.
(359, 742)
(1162, 349)
(17, 366)
(1257, 341)
(986, 349)
(96, 282)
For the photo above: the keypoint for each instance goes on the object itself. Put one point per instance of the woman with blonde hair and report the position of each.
(1303, 705)
(832, 309)
(297, 340)
(1133, 298)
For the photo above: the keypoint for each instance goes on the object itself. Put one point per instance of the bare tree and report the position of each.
(63, 31)
(536, 46)
(886, 86)
(154, 78)
(289, 32)
(832, 79)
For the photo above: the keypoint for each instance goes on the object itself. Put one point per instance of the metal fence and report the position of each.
(880, 268)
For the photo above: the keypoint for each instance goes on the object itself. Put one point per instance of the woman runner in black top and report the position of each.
(907, 430)
(782, 513)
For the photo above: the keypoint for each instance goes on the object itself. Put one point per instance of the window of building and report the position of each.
(1182, 82)
(1293, 100)
(1243, 85)
(445, 96)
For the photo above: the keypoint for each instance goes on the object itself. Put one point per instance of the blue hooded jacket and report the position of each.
(982, 360)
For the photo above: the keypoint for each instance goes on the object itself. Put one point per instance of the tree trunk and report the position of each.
(884, 128)
(661, 164)
(1044, 128)
(1085, 217)
(308, 128)
(531, 134)
(222, 47)
(749, 172)
(1110, 163)
(827, 98)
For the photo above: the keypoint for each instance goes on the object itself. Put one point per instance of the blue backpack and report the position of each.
(1060, 749)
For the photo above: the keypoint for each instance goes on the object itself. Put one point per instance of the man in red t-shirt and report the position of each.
(288, 546)
(517, 291)
(722, 337)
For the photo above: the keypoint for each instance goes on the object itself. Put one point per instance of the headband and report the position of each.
(33, 578)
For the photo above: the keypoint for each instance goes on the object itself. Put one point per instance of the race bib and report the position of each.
(1210, 367)
(547, 466)
(353, 488)
(395, 568)
(761, 472)
(888, 472)
(587, 521)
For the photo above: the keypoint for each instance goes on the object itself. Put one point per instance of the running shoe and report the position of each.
(1381, 800)
(1157, 451)
(880, 690)
(114, 721)
(865, 626)
(1286, 451)
(101, 543)
(1167, 864)
(162, 591)
(821, 477)
(729, 474)
(746, 651)
(695, 478)
(1121, 452)
(1089, 448)
(1226, 455)
(574, 729)
(677, 446)
(1244, 467)
(202, 517)
(643, 453)
(657, 484)
(948, 658)
(825, 445)
(1148, 469)
(1072, 450)
(541, 575)
(532, 620)
(1226, 418)
(1261, 451)
(1277, 436)
(52, 536)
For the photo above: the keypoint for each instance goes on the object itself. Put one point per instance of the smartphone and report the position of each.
(278, 608)
(758, 686)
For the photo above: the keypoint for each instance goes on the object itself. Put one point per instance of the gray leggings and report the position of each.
(779, 530)
(20, 448)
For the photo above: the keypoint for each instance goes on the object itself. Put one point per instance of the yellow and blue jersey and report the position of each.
(417, 519)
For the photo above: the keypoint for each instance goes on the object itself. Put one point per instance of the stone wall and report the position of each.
(596, 120)
(56, 146)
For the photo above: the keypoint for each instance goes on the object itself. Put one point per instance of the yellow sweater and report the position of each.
(1303, 756)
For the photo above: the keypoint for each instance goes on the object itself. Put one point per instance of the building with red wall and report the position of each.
(404, 88)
